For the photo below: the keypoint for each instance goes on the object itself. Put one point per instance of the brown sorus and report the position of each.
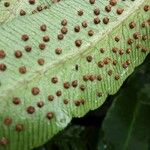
(119, 11)
(132, 25)
(58, 51)
(35, 90)
(144, 24)
(106, 60)
(49, 115)
(106, 20)
(90, 32)
(114, 62)
(130, 41)
(22, 69)
(143, 49)
(25, 37)
(124, 65)
(46, 38)
(99, 77)
(60, 36)
(28, 48)
(2, 54)
(82, 101)
(82, 87)
(39, 8)
(19, 127)
(50, 97)
(109, 72)
(117, 77)
(121, 51)
(8, 121)
(6, 4)
(138, 46)
(92, 1)
(102, 50)
(22, 12)
(66, 85)
(42, 46)
(54, 80)
(136, 35)
(108, 8)
(96, 11)
(78, 43)
(77, 28)
(80, 12)
(40, 104)
(30, 109)
(32, 2)
(100, 64)
(86, 77)
(128, 62)
(64, 30)
(66, 101)
(3, 67)
(115, 49)
(77, 103)
(96, 20)
(3, 141)
(16, 100)
(41, 61)
(146, 7)
(113, 2)
(99, 94)
(117, 38)
(74, 83)
(18, 54)
(64, 22)
(43, 27)
(58, 93)
(144, 37)
(84, 24)
(89, 58)
(92, 77)
(128, 50)
(55, 1)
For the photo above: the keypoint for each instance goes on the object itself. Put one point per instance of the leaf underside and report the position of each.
(15, 8)
(47, 77)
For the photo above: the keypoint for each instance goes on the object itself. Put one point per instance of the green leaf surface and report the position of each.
(89, 65)
(20, 8)
(127, 124)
